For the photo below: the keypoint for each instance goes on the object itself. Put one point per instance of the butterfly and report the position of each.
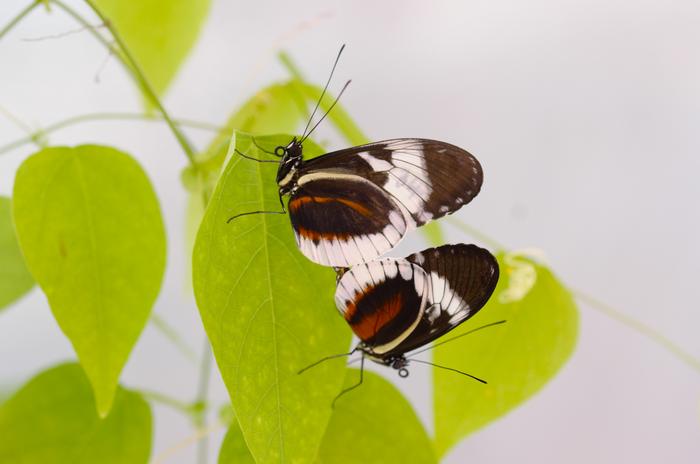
(395, 306)
(398, 305)
(353, 205)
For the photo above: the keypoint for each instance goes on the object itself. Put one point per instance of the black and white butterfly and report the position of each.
(353, 205)
(397, 305)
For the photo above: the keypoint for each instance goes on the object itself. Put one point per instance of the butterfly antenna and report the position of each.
(349, 389)
(329, 110)
(326, 359)
(449, 369)
(455, 338)
(337, 58)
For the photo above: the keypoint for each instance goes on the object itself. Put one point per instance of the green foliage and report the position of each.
(374, 423)
(15, 279)
(52, 419)
(159, 33)
(268, 311)
(274, 109)
(89, 225)
(233, 449)
(516, 358)
(433, 233)
(339, 117)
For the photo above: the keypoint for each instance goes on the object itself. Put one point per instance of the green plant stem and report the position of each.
(464, 227)
(292, 68)
(189, 409)
(174, 337)
(199, 434)
(17, 121)
(35, 137)
(342, 121)
(638, 326)
(201, 398)
(124, 55)
(20, 16)
(145, 85)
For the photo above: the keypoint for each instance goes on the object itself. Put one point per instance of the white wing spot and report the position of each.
(375, 163)
(406, 272)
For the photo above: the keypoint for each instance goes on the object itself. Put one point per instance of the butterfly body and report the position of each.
(353, 205)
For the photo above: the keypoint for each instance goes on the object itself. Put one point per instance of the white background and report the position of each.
(585, 116)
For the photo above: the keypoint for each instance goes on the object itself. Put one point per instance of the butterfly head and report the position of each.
(399, 363)
(291, 158)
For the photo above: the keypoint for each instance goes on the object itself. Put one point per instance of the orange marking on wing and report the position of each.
(318, 236)
(299, 201)
(373, 323)
(351, 308)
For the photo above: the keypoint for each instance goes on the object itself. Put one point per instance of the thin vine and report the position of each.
(628, 321)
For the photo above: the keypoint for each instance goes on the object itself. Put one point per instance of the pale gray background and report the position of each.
(585, 116)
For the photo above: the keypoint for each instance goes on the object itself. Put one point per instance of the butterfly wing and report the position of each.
(382, 301)
(428, 178)
(343, 219)
(353, 205)
(461, 279)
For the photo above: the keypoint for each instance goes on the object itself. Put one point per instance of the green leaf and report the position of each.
(15, 279)
(274, 109)
(233, 449)
(89, 225)
(52, 419)
(433, 233)
(374, 423)
(159, 33)
(516, 358)
(268, 311)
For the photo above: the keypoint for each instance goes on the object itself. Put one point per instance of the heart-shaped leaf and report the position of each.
(374, 423)
(15, 279)
(516, 358)
(267, 310)
(159, 33)
(52, 420)
(273, 110)
(90, 228)
(233, 449)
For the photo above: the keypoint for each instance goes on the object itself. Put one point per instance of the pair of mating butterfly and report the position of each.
(349, 207)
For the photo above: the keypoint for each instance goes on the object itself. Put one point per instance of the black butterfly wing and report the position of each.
(353, 205)
(341, 219)
(428, 178)
(461, 279)
(383, 301)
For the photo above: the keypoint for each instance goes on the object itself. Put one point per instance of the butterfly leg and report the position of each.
(284, 211)
(240, 153)
(362, 371)
(326, 359)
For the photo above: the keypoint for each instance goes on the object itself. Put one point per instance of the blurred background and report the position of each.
(584, 115)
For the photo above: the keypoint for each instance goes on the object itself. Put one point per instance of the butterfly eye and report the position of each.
(279, 151)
